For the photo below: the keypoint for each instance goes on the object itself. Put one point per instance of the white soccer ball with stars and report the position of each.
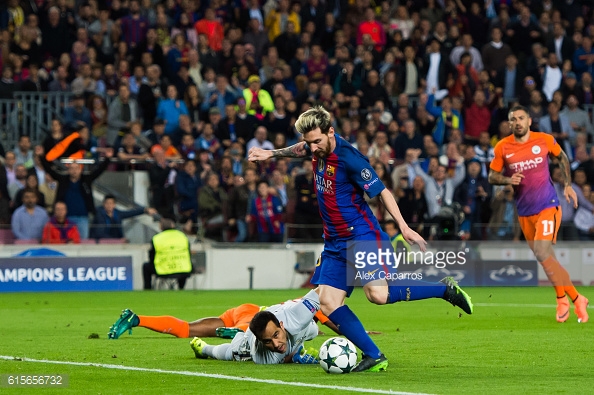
(338, 355)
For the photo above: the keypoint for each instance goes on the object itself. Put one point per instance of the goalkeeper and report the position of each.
(236, 319)
(275, 335)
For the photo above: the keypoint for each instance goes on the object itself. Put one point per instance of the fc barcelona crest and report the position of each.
(321, 165)
(330, 171)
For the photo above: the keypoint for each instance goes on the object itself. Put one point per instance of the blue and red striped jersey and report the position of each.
(340, 181)
(266, 212)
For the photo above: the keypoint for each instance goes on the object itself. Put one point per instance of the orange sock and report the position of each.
(571, 292)
(559, 277)
(165, 324)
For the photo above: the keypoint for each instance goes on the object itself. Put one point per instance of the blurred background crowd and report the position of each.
(183, 89)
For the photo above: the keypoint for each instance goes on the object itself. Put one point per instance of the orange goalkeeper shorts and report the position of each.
(240, 316)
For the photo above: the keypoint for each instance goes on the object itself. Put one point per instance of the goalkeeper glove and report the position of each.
(305, 357)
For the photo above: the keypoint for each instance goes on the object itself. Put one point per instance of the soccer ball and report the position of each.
(338, 355)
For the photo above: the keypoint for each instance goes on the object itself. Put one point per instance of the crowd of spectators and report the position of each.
(184, 88)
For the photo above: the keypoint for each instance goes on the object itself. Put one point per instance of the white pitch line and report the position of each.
(210, 375)
(548, 306)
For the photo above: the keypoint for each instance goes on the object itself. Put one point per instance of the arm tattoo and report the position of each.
(497, 178)
(294, 151)
(565, 168)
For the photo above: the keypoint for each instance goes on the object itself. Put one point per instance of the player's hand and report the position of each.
(570, 194)
(413, 237)
(258, 154)
(516, 178)
(306, 357)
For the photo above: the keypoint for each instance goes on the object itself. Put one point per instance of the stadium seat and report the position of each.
(6, 236)
(26, 241)
(213, 230)
(112, 241)
(198, 267)
(305, 265)
(167, 282)
(290, 211)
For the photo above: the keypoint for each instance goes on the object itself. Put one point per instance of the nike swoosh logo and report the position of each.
(509, 155)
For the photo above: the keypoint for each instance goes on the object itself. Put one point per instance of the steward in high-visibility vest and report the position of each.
(172, 252)
(169, 255)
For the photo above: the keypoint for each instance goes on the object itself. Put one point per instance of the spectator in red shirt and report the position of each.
(373, 29)
(317, 65)
(212, 29)
(59, 230)
(477, 116)
(466, 73)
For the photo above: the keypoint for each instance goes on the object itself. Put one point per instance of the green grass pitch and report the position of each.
(512, 344)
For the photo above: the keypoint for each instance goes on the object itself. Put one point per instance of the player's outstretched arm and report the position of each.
(409, 235)
(295, 151)
(568, 190)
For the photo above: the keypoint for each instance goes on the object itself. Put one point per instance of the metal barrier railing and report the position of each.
(31, 113)
(8, 123)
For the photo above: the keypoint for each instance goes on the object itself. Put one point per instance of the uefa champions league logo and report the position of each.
(366, 174)
(511, 273)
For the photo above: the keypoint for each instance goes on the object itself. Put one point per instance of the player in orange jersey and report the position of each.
(522, 160)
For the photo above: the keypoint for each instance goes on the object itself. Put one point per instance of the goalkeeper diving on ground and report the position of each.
(226, 325)
(289, 323)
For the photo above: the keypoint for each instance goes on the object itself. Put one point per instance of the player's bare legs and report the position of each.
(377, 292)
(205, 327)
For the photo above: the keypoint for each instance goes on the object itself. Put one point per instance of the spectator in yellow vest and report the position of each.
(258, 101)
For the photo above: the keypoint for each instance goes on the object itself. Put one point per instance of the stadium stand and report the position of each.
(83, 74)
